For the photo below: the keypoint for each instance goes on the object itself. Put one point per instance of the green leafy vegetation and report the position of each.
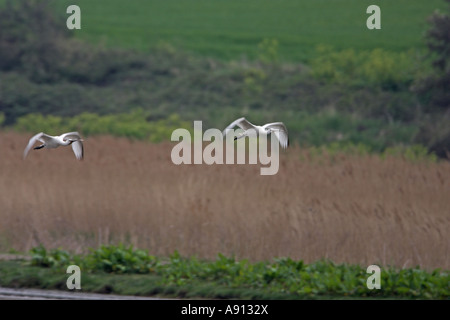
(376, 68)
(137, 124)
(282, 277)
(49, 258)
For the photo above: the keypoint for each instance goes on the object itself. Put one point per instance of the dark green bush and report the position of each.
(30, 39)
(42, 257)
(434, 87)
(120, 259)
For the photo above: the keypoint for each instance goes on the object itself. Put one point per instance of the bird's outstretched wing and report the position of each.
(77, 148)
(42, 137)
(280, 131)
(241, 123)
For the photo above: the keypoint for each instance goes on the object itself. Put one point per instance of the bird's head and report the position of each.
(74, 140)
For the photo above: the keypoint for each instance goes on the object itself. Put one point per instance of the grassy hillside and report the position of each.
(233, 28)
(341, 95)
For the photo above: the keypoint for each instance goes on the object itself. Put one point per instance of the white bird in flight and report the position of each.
(69, 138)
(278, 128)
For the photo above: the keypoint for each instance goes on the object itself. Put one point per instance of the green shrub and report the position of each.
(341, 129)
(20, 48)
(120, 259)
(268, 51)
(36, 122)
(433, 87)
(253, 81)
(132, 125)
(42, 257)
(414, 153)
(378, 67)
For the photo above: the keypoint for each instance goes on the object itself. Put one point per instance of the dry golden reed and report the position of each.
(355, 209)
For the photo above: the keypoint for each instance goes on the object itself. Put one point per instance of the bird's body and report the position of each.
(51, 142)
(278, 128)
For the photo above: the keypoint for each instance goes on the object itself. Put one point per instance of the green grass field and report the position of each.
(233, 29)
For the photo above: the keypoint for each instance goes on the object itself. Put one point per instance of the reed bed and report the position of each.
(346, 208)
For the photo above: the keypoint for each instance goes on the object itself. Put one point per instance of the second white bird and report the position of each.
(66, 139)
(278, 128)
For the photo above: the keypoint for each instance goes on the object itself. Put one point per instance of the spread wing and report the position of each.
(77, 148)
(280, 131)
(241, 123)
(42, 137)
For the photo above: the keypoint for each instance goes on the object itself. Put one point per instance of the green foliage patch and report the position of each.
(378, 67)
(282, 276)
(137, 124)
